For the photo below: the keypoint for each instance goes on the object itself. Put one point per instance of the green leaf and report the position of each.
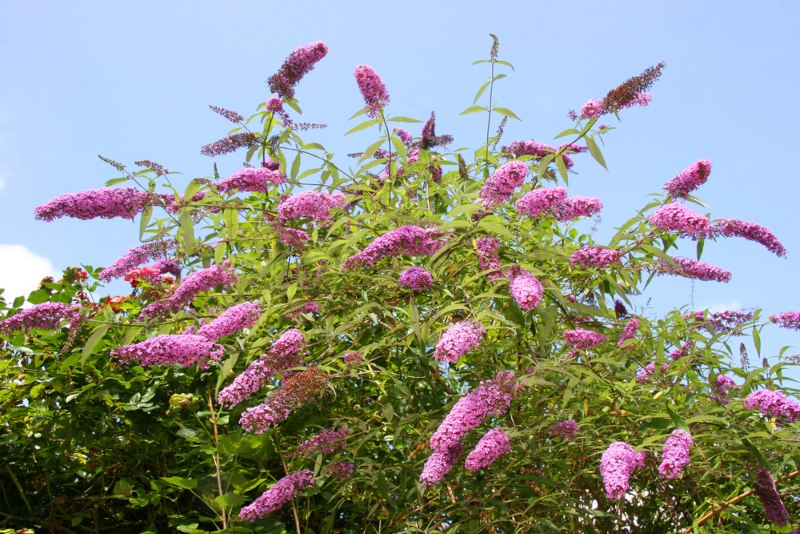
(93, 340)
(363, 126)
(481, 91)
(505, 111)
(295, 167)
(230, 499)
(187, 231)
(370, 150)
(678, 420)
(495, 228)
(473, 109)
(562, 168)
(403, 119)
(594, 150)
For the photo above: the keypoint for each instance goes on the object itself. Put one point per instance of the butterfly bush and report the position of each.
(629, 331)
(675, 454)
(752, 232)
(491, 446)
(575, 207)
(491, 397)
(411, 240)
(722, 321)
(416, 279)
(439, 464)
(773, 403)
(541, 201)
(47, 315)
(298, 64)
(171, 349)
(376, 96)
(539, 150)
(285, 353)
(722, 387)
(694, 269)
(458, 340)
(501, 185)
(581, 338)
(326, 442)
(676, 217)
(105, 203)
(278, 495)
(766, 492)
(689, 179)
(594, 257)
(643, 376)
(235, 318)
(618, 463)
(789, 320)
(137, 256)
(526, 289)
(292, 237)
(341, 470)
(192, 285)
(315, 205)
(256, 180)
(488, 260)
(566, 430)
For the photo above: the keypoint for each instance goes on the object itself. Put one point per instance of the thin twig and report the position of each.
(216, 457)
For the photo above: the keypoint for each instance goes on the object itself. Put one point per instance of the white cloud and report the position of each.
(733, 305)
(21, 271)
(2, 182)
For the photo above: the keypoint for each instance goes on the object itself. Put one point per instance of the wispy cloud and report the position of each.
(21, 271)
(733, 305)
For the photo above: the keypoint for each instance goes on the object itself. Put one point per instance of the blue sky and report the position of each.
(133, 80)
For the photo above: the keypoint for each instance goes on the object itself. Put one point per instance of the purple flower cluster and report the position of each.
(526, 289)
(689, 178)
(677, 354)
(135, 257)
(169, 349)
(416, 279)
(500, 185)
(630, 329)
(643, 376)
(278, 495)
(490, 447)
(313, 204)
(675, 454)
(235, 318)
(774, 404)
(105, 203)
(723, 387)
(292, 237)
(697, 270)
(789, 320)
(298, 64)
(352, 358)
(583, 339)
(166, 265)
(439, 464)
(575, 207)
(752, 232)
(593, 108)
(491, 397)
(488, 260)
(722, 321)
(285, 353)
(566, 430)
(458, 340)
(544, 200)
(230, 143)
(768, 495)
(618, 463)
(47, 315)
(194, 283)
(411, 240)
(341, 470)
(376, 97)
(539, 150)
(676, 217)
(255, 179)
(594, 257)
(326, 442)
(309, 307)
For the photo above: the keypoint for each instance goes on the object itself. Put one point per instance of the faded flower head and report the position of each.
(770, 497)
(298, 64)
(566, 430)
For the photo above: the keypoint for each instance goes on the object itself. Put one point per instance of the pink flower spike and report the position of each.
(376, 97)
(298, 64)
(678, 218)
(458, 340)
(439, 464)
(526, 289)
(689, 179)
(752, 232)
(675, 454)
(594, 257)
(501, 185)
(617, 465)
(277, 496)
(789, 320)
(105, 203)
(416, 279)
(251, 179)
(491, 446)
(583, 339)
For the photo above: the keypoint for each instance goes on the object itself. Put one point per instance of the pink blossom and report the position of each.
(135, 257)
(309, 307)
(291, 237)
(277, 496)
(774, 404)
(540, 150)
(230, 143)
(326, 442)
(618, 463)
(594, 257)
(411, 240)
(341, 470)
(491, 397)
(676, 217)
(47, 316)
(723, 387)
(313, 204)
(592, 109)
(105, 203)
(770, 497)
(298, 64)
(500, 185)
(697, 270)
(416, 279)
(789, 320)
(566, 430)
(376, 97)
(193, 284)
(286, 352)
(457, 340)
(630, 329)
(352, 358)
(583, 339)
(541, 201)
(689, 178)
(675, 454)
(575, 207)
(255, 179)
(752, 232)
(170, 349)
(439, 464)
(526, 289)
(491, 446)
(488, 260)
(643, 376)
(727, 320)
(235, 318)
